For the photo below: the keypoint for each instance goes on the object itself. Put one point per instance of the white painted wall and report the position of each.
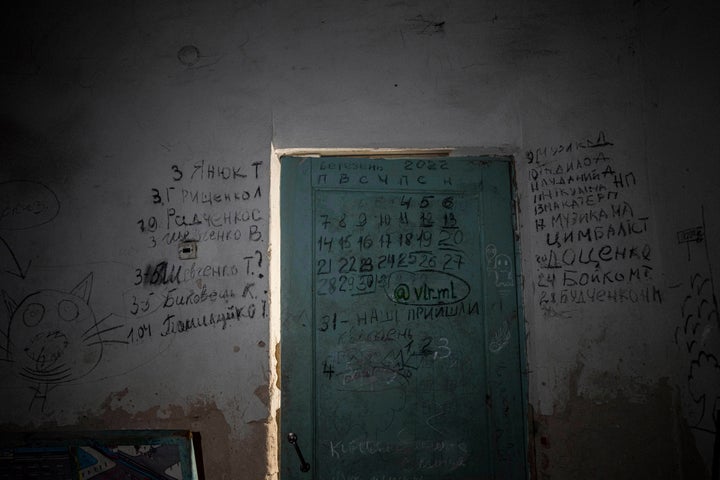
(102, 100)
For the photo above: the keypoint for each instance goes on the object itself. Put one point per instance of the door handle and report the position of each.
(293, 439)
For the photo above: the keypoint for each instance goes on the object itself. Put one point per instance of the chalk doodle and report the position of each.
(499, 266)
(54, 338)
(691, 235)
(500, 338)
(23, 205)
(698, 336)
(26, 204)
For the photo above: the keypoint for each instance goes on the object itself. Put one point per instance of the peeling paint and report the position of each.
(263, 393)
(273, 448)
(278, 368)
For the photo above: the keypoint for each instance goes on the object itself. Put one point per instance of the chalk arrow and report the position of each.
(20, 272)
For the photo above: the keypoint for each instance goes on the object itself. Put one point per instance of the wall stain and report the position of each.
(647, 439)
(200, 416)
(252, 449)
(224, 456)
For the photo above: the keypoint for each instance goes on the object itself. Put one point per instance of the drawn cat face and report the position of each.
(53, 336)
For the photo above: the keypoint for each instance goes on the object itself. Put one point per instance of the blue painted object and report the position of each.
(402, 349)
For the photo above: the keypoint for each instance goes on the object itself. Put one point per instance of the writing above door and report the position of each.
(402, 349)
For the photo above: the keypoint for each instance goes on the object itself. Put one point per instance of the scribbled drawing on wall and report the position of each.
(500, 338)
(698, 336)
(23, 205)
(503, 271)
(26, 204)
(54, 338)
(691, 235)
(499, 265)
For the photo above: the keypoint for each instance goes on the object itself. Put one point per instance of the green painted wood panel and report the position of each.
(402, 353)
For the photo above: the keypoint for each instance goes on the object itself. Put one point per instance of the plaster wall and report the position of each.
(126, 125)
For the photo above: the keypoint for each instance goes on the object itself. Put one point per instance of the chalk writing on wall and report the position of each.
(595, 246)
(218, 208)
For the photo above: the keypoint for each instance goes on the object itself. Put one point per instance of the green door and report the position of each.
(402, 352)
